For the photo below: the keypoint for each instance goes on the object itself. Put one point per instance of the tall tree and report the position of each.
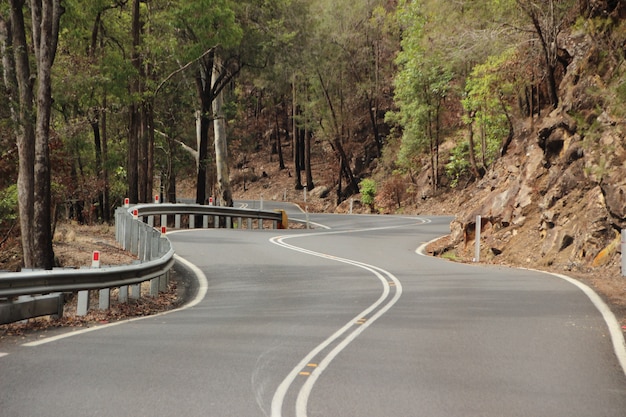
(204, 27)
(422, 84)
(34, 107)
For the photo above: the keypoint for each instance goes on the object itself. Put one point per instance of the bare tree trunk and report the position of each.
(106, 209)
(472, 151)
(279, 146)
(221, 144)
(17, 77)
(45, 31)
(295, 149)
(134, 119)
(97, 144)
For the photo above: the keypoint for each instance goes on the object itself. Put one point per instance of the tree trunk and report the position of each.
(372, 110)
(352, 186)
(221, 144)
(472, 151)
(142, 150)
(34, 128)
(17, 81)
(295, 149)
(279, 146)
(134, 110)
(97, 144)
(45, 31)
(203, 159)
(106, 206)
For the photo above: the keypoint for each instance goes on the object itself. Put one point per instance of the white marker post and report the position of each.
(127, 202)
(624, 252)
(156, 199)
(477, 241)
(82, 305)
(95, 259)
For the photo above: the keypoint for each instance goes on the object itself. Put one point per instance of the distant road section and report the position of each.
(341, 320)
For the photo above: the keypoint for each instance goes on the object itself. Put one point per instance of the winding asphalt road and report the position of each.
(345, 319)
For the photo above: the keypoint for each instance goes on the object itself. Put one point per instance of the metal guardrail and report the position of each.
(153, 249)
(70, 280)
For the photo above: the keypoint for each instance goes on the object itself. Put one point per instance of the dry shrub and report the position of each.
(391, 194)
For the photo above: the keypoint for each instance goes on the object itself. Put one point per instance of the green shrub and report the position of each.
(8, 204)
(368, 191)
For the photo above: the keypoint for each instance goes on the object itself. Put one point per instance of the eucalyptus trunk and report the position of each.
(17, 81)
(221, 144)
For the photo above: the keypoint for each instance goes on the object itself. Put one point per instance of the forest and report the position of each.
(107, 99)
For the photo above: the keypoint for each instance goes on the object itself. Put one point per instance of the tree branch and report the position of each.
(181, 69)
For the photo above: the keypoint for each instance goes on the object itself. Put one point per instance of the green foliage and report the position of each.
(367, 188)
(8, 204)
(485, 102)
(421, 86)
(206, 23)
(458, 165)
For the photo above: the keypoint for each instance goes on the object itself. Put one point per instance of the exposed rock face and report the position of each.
(559, 196)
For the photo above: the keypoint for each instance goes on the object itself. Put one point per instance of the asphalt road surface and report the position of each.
(344, 319)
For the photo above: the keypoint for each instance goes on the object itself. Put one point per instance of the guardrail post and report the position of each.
(163, 281)
(154, 287)
(82, 306)
(127, 220)
(228, 222)
(192, 221)
(240, 223)
(250, 223)
(122, 296)
(177, 221)
(135, 291)
(145, 243)
(134, 238)
(216, 222)
(151, 221)
(163, 219)
(154, 243)
(104, 299)
(205, 222)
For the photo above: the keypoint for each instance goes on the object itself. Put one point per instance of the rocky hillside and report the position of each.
(557, 199)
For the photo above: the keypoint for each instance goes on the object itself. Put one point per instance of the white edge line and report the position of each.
(3, 354)
(202, 290)
(617, 336)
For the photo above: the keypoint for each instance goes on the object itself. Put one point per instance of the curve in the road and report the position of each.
(347, 334)
(617, 336)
